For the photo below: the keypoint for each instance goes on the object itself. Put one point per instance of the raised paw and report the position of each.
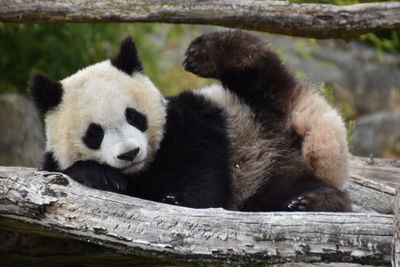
(198, 58)
(323, 199)
(215, 54)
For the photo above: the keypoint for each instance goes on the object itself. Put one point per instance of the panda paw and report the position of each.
(213, 55)
(98, 176)
(299, 204)
(322, 199)
(170, 199)
(198, 58)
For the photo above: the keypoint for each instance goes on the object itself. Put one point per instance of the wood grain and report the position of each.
(51, 204)
(305, 20)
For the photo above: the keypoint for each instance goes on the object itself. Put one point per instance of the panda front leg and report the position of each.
(98, 176)
(245, 65)
(90, 173)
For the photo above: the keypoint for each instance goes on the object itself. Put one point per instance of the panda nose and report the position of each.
(130, 155)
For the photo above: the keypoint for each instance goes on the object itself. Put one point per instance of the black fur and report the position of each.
(45, 92)
(50, 163)
(94, 136)
(301, 192)
(99, 176)
(192, 165)
(127, 60)
(90, 173)
(136, 119)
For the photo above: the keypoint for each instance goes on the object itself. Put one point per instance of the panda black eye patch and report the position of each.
(136, 119)
(93, 136)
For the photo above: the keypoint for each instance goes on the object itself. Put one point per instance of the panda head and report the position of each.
(109, 112)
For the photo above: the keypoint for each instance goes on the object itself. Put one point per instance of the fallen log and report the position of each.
(36, 207)
(396, 234)
(305, 20)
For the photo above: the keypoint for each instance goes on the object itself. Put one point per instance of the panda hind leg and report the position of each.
(322, 199)
(301, 193)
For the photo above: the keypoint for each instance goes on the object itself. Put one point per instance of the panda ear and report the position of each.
(127, 60)
(45, 92)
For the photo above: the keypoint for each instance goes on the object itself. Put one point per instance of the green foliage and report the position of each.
(384, 41)
(59, 50)
(350, 126)
(327, 93)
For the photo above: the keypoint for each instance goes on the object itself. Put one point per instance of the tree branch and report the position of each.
(305, 20)
(51, 204)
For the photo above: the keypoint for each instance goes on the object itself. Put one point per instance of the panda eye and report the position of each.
(93, 136)
(136, 119)
(130, 116)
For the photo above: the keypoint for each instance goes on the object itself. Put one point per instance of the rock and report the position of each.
(378, 135)
(363, 80)
(21, 135)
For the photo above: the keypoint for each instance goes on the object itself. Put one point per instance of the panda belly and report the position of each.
(253, 148)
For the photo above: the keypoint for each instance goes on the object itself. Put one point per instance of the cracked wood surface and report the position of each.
(51, 204)
(396, 234)
(305, 20)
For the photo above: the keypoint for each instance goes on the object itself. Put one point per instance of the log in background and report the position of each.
(304, 20)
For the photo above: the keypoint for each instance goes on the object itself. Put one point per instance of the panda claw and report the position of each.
(299, 204)
(293, 205)
(171, 199)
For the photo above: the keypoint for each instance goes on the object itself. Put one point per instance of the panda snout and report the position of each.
(130, 155)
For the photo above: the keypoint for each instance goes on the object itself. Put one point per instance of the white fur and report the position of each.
(321, 126)
(252, 154)
(122, 139)
(100, 94)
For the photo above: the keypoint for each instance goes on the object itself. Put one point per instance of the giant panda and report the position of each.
(259, 141)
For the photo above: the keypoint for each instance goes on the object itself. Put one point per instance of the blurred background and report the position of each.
(360, 78)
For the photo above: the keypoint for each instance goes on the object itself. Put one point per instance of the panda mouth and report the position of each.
(133, 164)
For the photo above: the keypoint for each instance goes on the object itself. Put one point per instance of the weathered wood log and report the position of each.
(50, 204)
(306, 20)
(386, 171)
(370, 196)
(372, 184)
(396, 235)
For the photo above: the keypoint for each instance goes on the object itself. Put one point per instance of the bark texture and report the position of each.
(113, 228)
(306, 20)
(396, 235)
